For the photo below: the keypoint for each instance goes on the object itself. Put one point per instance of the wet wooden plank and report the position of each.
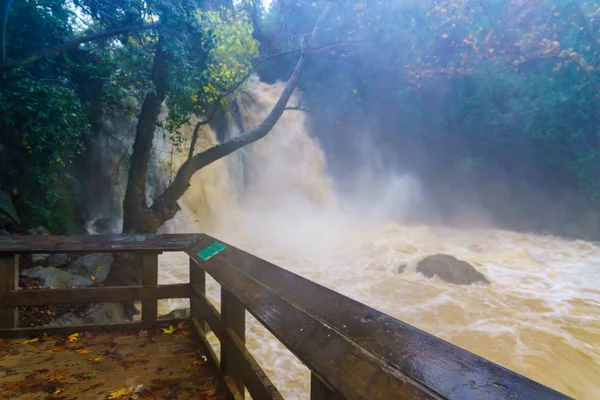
(320, 391)
(233, 317)
(198, 286)
(205, 312)
(254, 377)
(94, 328)
(9, 280)
(149, 263)
(93, 295)
(95, 243)
(400, 359)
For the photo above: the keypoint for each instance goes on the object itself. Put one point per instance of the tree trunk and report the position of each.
(137, 216)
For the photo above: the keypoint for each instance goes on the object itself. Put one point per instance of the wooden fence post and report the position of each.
(198, 283)
(319, 391)
(149, 277)
(233, 316)
(9, 280)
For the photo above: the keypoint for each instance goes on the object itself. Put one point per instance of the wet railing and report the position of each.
(352, 350)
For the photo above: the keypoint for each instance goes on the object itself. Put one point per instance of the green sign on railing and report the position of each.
(211, 250)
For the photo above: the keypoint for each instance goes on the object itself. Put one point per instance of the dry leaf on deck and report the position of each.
(117, 394)
(84, 351)
(169, 330)
(74, 337)
(34, 340)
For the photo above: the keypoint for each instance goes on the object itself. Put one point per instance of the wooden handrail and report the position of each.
(96, 243)
(352, 350)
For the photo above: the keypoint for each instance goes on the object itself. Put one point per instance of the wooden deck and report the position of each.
(353, 351)
(144, 364)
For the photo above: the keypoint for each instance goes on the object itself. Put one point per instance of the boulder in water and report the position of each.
(450, 269)
(56, 278)
(93, 266)
(401, 268)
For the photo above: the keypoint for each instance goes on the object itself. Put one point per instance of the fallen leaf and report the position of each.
(96, 358)
(117, 394)
(169, 330)
(3, 342)
(74, 337)
(56, 378)
(144, 333)
(46, 339)
(57, 349)
(34, 340)
(58, 391)
(88, 335)
(84, 351)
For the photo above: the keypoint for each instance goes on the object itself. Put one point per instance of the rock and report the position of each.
(39, 231)
(57, 260)
(7, 208)
(103, 313)
(56, 278)
(401, 268)
(39, 259)
(450, 270)
(178, 313)
(103, 226)
(92, 265)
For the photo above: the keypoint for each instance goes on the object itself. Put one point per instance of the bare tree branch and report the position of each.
(72, 44)
(166, 204)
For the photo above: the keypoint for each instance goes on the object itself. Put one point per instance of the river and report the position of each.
(540, 316)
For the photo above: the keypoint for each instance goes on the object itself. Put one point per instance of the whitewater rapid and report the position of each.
(539, 317)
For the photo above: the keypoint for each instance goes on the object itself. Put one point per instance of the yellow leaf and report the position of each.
(117, 394)
(31, 340)
(74, 337)
(96, 358)
(58, 391)
(83, 351)
(169, 330)
(15, 191)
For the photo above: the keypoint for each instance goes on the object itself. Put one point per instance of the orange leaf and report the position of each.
(144, 333)
(58, 391)
(57, 349)
(74, 337)
(100, 358)
(88, 335)
(56, 378)
(84, 351)
(117, 394)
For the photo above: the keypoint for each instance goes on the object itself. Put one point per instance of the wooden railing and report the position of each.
(352, 350)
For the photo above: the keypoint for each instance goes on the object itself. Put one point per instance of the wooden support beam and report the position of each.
(198, 286)
(233, 317)
(93, 295)
(149, 262)
(9, 280)
(95, 328)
